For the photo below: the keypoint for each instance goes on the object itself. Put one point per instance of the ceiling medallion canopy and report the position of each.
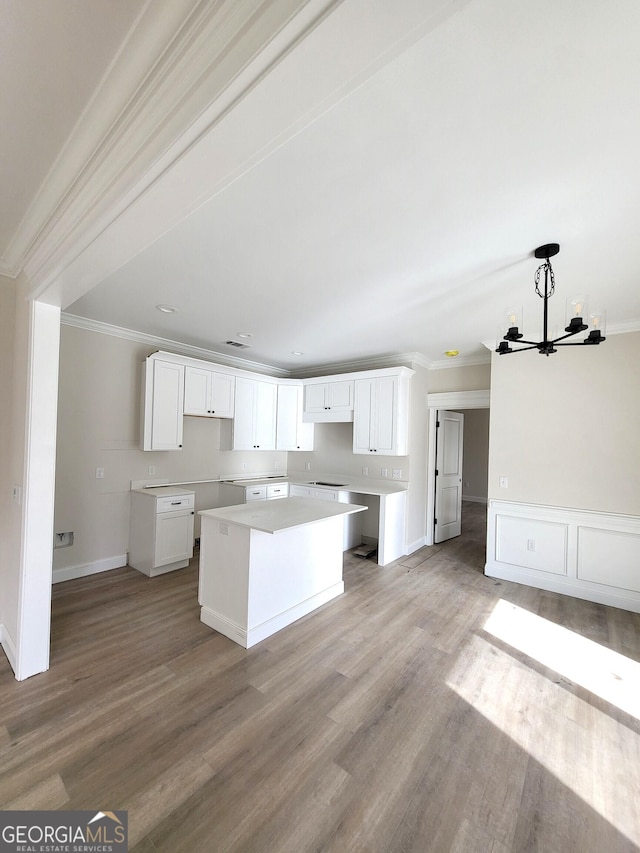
(576, 314)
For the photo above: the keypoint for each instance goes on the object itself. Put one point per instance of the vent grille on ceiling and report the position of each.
(238, 344)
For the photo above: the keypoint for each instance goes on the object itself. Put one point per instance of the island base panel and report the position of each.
(249, 637)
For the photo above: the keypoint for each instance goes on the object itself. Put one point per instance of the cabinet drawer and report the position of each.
(255, 493)
(279, 491)
(177, 502)
(325, 495)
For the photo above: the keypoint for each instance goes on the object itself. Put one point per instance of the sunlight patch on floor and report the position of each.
(595, 755)
(605, 673)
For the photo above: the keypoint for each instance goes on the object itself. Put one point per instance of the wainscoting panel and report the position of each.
(609, 557)
(590, 555)
(532, 544)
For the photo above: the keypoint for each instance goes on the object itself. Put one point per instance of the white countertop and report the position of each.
(362, 486)
(165, 491)
(283, 514)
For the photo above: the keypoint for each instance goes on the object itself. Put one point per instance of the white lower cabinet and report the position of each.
(161, 530)
(239, 493)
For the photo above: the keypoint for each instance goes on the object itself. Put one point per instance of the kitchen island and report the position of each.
(265, 564)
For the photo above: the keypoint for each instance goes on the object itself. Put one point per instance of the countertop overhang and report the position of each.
(283, 514)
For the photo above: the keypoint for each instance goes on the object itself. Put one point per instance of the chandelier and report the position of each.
(576, 315)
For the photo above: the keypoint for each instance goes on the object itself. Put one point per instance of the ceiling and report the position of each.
(376, 185)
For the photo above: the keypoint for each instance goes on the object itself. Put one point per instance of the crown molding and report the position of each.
(368, 363)
(7, 270)
(181, 68)
(173, 346)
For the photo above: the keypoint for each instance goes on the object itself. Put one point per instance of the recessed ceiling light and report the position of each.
(244, 334)
(452, 353)
(166, 309)
(295, 352)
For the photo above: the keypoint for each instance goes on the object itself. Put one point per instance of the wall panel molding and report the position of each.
(589, 555)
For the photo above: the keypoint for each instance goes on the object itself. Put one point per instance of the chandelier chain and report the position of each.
(552, 282)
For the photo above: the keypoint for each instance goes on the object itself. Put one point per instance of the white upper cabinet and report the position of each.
(328, 401)
(381, 414)
(291, 432)
(254, 421)
(162, 402)
(207, 393)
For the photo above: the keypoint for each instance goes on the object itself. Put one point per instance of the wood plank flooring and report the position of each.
(403, 716)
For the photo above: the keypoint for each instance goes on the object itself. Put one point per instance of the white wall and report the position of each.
(475, 458)
(9, 515)
(564, 429)
(29, 436)
(98, 427)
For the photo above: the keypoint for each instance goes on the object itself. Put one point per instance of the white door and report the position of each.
(448, 504)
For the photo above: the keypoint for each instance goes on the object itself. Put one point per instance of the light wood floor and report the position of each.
(413, 713)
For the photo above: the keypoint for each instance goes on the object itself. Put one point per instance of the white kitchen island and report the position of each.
(264, 565)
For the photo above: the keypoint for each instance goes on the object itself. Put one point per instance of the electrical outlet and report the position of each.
(63, 540)
(99, 473)
(244, 466)
(17, 495)
(531, 544)
(223, 528)
(504, 482)
(396, 473)
(384, 472)
(307, 466)
(365, 471)
(152, 470)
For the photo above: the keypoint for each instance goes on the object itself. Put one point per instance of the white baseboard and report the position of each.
(94, 568)
(622, 599)
(590, 555)
(8, 646)
(474, 499)
(248, 637)
(416, 545)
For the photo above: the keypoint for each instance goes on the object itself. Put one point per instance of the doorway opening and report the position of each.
(465, 402)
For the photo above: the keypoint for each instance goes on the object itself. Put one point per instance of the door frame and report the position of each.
(445, 400)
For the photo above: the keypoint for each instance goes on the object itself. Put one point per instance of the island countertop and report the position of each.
(283, 514)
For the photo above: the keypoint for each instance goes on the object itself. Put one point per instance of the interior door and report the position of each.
(448, 503)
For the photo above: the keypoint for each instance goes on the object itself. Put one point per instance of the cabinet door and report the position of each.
(291, 432)
(243, 417)
(315, 397)
(196, 391)
(265, 416)
(174, 537)
(299, 491)
(385, 415)
(340, 396)
(362, 416)
(222, 395)
(375, 417)
(254, 420)
(168, 393)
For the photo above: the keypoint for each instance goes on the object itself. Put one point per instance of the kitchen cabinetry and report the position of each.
(207, 393)
(162, 404)
(161, 529)
(291, 432)
(254, 420)
(328, 401)
(381, 415)
(239, 493)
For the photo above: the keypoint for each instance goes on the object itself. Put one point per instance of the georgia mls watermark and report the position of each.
(63, 832)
